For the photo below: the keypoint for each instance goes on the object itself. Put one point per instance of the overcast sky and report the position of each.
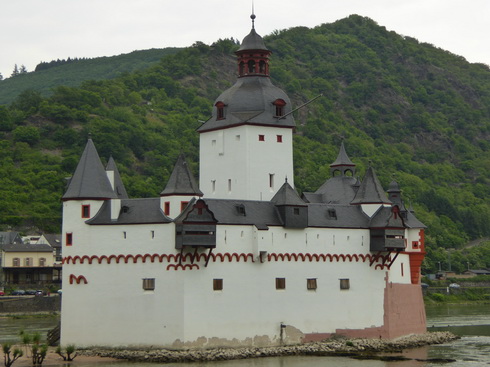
(32, 31)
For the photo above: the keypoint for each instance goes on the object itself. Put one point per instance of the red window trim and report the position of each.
(279, 138)
(166, 208)
(183, 204)
(69, 239)
(85, 211)
(261, 137)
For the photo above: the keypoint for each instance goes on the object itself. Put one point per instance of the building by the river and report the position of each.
(241, 259)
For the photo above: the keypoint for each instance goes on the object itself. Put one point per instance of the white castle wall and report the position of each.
(246, 161)
(113, 301)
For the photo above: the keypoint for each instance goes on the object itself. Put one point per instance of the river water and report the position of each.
(471, 322)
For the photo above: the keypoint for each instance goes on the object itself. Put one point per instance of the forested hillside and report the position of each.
(415, 111)
(72, 72)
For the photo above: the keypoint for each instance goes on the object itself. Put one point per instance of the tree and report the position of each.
(16, 71)
(23, 69)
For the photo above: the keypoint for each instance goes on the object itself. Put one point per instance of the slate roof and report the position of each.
(7, 238)
(54, 240)
(370, 191)
(385, 218)
(133, 211)
(286, 195)
(412, 222)
(259, 213)
(181, 181)
(336, 216)
(119, 188)
(89, 180)
(252, 41)
(342, 158)
(249, 101)
(25, 247)
(336, 190)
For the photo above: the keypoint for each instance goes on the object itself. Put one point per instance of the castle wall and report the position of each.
(105, 288)
(246, 161)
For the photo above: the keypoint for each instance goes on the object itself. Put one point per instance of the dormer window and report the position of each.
(279, 105)
(220, 110)
(332, 213)
(241, 210)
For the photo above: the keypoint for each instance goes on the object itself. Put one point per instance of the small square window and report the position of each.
(261, 137)
(85, 211)
(344, 284)
(279, 138)
(311, 284)
(280, 283)
(69, 239)
(148, 284)
(217, 284)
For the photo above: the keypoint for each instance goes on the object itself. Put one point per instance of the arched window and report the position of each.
(42, 261)
(279, 105)
(262, 67)
(241, 68)
(251, 66)
(15, 261)
(220, 110)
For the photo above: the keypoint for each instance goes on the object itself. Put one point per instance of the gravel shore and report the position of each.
(333, 346)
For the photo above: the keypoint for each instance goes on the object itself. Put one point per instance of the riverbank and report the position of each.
(330, 347)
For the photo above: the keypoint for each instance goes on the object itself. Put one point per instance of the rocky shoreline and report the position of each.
(337, 346)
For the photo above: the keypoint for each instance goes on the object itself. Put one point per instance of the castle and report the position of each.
(241, 258)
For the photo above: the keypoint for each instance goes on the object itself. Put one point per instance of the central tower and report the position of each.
(246, 147)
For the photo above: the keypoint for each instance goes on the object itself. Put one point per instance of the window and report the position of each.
(296, 211)
(183, 204)
(415, 244)
(262, 67)
(28, 261)
(42, 261)
(280, 283)
(279, 107)
(220, 110)
(251, 66)
(166, 208)
(261, 137)
(271, 180)
(344, 284)
(279, 138)
(229, 185)
(237, 137)
(124, 234)
(15, 261)
(148, 284)
(213, 185)
(152, 234)
(85, 211)
(69, 239)
(332, 213)
(217, 284)
(241, 210)
(311, 284)
(401, 268)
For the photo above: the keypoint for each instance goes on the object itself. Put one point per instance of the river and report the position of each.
(471, 322)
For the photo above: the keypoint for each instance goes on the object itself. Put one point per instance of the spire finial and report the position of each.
(253, 16)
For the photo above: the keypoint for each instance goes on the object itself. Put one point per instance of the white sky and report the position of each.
(32, 31)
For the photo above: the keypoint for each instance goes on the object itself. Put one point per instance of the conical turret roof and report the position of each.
(342, 159)
(119, 188)
(252, 42)
(181, 181)
(370, 191)
(286, 195)
(90, 180)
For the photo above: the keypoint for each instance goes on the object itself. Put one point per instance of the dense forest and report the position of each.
(414, 111)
